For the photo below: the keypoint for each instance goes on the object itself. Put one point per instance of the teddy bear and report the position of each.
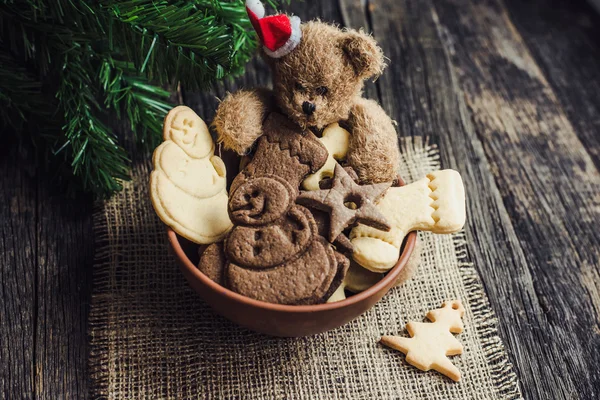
(318, 74)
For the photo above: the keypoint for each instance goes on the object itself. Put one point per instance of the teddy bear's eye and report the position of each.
(299, 87)
(321, 90)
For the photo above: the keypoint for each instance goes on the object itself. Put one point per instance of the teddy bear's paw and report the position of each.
(239, 120)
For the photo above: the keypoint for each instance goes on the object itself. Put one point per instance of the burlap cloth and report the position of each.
(152, 336)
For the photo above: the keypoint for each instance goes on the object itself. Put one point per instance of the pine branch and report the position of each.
(89, 146)
(144, 104)
(35, 36)
(196, 42)
(100, 59)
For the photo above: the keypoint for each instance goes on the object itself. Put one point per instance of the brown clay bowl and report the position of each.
(278, 319)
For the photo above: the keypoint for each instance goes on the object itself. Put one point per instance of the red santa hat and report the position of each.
(279, 34)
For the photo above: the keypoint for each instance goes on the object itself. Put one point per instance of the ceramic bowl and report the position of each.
(278, 319)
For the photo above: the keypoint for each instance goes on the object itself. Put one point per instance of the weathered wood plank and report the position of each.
(46, 252)
(65, 251)
(18, 281)
(549, 187)
(564, 39)
(44, 248)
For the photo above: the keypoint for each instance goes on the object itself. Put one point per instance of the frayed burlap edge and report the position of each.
(486, 323)
(99, 361)
(484, 318)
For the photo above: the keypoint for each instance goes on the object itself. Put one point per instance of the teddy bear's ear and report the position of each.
(363, 53)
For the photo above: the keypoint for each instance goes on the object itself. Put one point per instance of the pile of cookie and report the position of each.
(296, 227)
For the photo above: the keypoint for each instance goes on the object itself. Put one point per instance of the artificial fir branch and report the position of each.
(89, 145)
(144, 104)
(76, 65)
(182, 39)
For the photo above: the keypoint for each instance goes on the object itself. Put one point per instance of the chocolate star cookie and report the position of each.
(347, 203)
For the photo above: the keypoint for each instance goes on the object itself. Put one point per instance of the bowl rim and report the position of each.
(391, 276)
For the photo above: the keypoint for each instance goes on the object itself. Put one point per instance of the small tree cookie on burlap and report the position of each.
(430, 343)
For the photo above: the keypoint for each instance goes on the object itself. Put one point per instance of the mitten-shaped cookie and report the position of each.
(187, 185)
(435, 203)
(285, 150)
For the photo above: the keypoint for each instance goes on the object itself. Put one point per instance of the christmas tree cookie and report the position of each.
(430, 343)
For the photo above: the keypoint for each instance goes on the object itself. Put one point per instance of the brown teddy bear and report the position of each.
(318, 76)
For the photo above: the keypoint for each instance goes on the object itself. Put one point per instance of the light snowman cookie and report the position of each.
(435, 203)
(188, 183)
(336, 140)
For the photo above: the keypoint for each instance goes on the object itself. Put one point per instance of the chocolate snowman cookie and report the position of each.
(274, 252)
(303, 278)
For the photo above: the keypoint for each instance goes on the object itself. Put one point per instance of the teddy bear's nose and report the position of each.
(308, 108)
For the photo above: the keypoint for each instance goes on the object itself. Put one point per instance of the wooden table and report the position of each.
(509, 90)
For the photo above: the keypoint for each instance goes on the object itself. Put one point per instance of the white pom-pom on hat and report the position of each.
(257, 7)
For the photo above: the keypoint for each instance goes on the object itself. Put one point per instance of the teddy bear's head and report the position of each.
(316, 82)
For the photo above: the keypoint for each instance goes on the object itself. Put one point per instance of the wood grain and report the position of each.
(65, 249)
(18, 281)
(434, 82)
(563, 40)
(46, 251)
(550, 188)
(429, 103)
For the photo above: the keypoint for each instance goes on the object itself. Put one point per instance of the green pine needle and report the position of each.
(68, 67)
(95, 155)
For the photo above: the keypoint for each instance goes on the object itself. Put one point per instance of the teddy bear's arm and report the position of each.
(373, 151)
(239, 118)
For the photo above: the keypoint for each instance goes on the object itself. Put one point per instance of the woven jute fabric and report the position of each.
(153, 337)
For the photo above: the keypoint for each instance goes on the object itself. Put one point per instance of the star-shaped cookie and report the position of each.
(347, 203)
